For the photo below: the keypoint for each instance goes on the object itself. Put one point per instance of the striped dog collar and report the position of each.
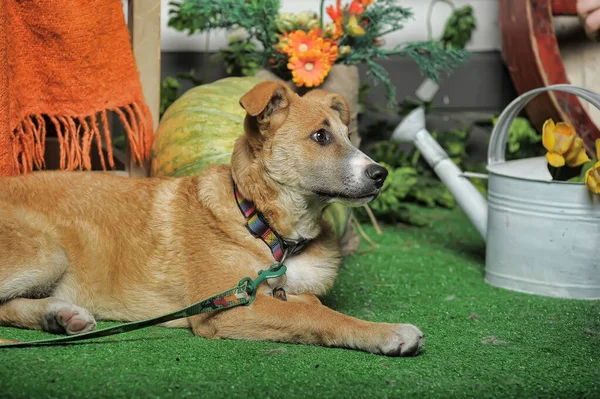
(259, 227)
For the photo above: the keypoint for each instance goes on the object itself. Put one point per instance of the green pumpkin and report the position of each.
(200, 129)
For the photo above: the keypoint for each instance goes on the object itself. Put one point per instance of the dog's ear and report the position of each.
(335, 101)
(265, 100)
(339, 104)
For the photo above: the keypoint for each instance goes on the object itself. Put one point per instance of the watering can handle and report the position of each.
(497, 147)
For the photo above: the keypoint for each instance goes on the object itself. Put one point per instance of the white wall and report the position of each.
(486, 37)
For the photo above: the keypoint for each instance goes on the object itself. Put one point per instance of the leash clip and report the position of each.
(276, 270)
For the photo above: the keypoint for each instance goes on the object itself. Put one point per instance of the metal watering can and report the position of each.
(542, 236)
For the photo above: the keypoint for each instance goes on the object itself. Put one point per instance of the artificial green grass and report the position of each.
(480, 342)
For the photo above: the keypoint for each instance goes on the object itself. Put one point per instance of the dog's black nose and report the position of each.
(376, 173)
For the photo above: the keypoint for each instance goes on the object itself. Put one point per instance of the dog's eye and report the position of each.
(320, 136)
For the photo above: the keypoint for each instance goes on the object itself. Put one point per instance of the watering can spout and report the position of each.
(413, 123)
(412, 130)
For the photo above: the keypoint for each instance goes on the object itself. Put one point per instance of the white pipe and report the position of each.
(412, 129)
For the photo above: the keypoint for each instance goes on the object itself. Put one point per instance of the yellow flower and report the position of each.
(353, 28)
(592, 176)
(283, 44)
(557, 139)
(308, 20)
(313, 23)
(303, 17)
(576, 155)
(330, 30)
(309, 68)
(343, 50)
(285, 22)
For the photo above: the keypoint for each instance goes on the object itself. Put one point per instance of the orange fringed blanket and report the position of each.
(67, 63)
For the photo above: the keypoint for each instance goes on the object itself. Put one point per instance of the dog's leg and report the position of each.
(48, 314)
(302, 319)
(32, 261)
(31, 257)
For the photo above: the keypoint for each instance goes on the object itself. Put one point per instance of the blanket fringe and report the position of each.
(76, 135)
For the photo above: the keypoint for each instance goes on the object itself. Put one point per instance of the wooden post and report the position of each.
(143, 20)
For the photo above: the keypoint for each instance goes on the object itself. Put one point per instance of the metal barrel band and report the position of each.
(242, 294)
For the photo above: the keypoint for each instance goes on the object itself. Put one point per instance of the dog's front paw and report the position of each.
(406, 340)
(64, 317)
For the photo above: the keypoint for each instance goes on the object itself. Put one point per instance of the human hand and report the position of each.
(589, 12)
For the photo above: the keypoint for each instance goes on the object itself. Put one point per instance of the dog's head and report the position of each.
(303, 143)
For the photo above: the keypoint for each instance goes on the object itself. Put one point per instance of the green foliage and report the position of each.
(580, 178)
(257, 17)
(409, 104)
(523, 140)
(390, 205)
(170, 89)
(431, 58)
(424, 188)
(384, 17)
(169, 92)
(454, 142)
(191, 77)
(431, 192)
(388, 152)
(240, 57)
(459, 28)
(120, 142)
(401, 181)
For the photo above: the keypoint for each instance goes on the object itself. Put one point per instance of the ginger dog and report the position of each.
(76, 247)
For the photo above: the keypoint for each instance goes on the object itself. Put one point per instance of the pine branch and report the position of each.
(431, 58)
(257, 17)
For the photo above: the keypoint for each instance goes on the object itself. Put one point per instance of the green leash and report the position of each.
(242, 294)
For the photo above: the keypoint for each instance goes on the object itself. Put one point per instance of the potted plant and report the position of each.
(310, 50)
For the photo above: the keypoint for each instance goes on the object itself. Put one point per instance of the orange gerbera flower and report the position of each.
(302, 42)
(331, 50)
(318, 32)
(309, 68)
